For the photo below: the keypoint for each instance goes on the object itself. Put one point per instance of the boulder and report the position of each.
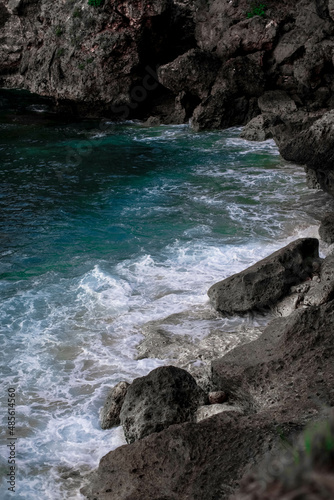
(111, 410)
(326, 229)
(166, 396)
(262, 285)
(193, 72)
(258, 129)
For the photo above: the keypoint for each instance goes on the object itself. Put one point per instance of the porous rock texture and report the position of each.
(112, 407)
(263, 284)
(167, 395)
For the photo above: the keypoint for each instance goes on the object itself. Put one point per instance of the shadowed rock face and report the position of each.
(263, 284)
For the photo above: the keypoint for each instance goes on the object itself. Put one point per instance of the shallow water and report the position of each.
(103, 232)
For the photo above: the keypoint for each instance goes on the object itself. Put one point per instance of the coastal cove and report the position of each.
(128, 240)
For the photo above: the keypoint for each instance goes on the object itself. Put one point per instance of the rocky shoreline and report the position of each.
(186, 442)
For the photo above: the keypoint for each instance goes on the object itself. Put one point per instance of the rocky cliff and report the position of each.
(200, 59)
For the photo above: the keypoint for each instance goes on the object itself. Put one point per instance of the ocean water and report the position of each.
(105, 228)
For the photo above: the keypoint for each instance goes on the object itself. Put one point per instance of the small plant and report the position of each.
(77, 13)
(58, 31)
(95, 3)
(81, 66)
(258, 9)
(60, 52)
(90, 60)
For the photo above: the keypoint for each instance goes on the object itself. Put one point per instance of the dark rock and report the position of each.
(112, 407)
(277, 366)
(191, 461)
(166, 396)
(326, 229)
(217, 397)
(258, 129)
(263, 284)
(232, 99)
(276, 102)
(314, 147)
(323, 290)
(193, 72)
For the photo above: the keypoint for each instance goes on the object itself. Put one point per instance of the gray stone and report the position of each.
(262, 285)
(166, 396)
(326, 229)
(276, 102)
(258, 129)
(204, 412)
(111, 410)
(323, 291)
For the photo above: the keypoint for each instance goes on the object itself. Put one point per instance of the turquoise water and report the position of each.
(101, 232)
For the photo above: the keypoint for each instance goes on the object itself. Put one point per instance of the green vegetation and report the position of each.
(77, 13)
(81, 66)
(90, 60)
(95, 3)
(60, 52)
(58, 31)
(258, 9)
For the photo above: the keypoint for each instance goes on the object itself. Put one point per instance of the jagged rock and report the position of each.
(314, 147)
(263, 284)
(193, 72)
(112, 407)
(258, 129)
(166, 396)
(326, 229)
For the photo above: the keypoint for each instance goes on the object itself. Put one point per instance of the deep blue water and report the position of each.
(102, 232)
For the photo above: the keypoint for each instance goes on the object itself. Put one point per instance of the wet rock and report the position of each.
(166, 396)
(326, 229)
(262, 285)
(110, 414)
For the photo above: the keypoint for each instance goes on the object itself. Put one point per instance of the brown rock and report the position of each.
(217, 397)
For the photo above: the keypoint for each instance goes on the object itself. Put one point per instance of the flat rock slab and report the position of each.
(262, 285)
(167, 395)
